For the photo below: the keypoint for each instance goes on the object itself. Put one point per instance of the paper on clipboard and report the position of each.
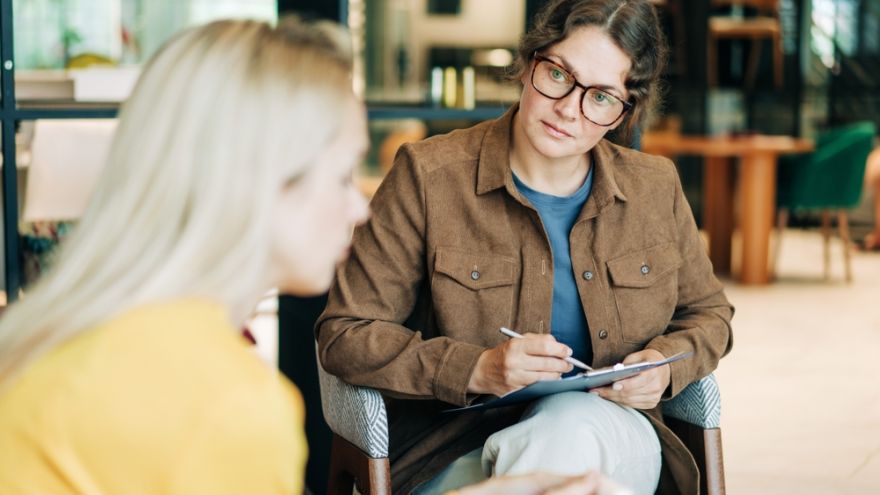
(583, 381)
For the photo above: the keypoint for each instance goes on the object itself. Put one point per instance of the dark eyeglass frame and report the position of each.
(536, 57)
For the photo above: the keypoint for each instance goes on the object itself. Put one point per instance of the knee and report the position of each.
(568, 416)
(563, 405)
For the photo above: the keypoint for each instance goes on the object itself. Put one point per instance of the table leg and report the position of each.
(718, 210)
(757, 202)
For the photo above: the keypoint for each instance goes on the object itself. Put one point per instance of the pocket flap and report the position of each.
(474, 271)
(643, 268)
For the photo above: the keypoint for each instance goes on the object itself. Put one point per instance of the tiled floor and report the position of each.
(801, 395)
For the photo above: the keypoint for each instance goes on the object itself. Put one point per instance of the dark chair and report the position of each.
(828, 179)
(359, 422)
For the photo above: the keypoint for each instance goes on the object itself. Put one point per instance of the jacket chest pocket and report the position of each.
(472, 293)
(645, 288)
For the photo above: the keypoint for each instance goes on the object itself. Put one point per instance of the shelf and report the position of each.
(431, 113)
(377, 112)
(65, 110)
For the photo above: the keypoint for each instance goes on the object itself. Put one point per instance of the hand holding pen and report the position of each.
(569, 359)
(519, 362)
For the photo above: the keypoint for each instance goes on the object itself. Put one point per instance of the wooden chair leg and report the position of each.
(778, 59)
(843, 228)
(714, 462)
(754, 59)
(781, 224)
(679, 28)
(826, 243)
(711, 60)
(705, 446)
(350, 467)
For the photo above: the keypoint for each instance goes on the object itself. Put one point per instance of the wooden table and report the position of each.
(757, 155)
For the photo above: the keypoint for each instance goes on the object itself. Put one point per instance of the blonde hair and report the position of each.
(221, 118)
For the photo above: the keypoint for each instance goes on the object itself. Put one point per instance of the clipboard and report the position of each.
(582, 381)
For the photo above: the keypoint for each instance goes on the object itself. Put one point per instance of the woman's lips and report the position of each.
(555, 131)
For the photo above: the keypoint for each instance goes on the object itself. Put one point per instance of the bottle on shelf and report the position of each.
(436, 87)
(468, 88)
(450, 87)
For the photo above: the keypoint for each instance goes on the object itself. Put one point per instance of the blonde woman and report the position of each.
(123, 371)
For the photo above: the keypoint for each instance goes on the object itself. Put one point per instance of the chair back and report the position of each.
(355, 413)
(832, 176)
(762, 6)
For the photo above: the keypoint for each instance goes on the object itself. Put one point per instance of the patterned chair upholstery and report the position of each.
(359, 422)
(698, 404)
(357, 414)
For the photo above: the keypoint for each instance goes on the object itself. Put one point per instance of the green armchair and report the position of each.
(828, 179)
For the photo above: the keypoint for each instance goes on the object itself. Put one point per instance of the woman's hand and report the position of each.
(592, 483)
(642, 391)
(517, 363)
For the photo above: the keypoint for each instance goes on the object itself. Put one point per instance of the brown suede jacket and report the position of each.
(453, 251)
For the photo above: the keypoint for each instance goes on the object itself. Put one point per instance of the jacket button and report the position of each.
(588, 275)
(475, 275)
(646, 269)
(603, 334)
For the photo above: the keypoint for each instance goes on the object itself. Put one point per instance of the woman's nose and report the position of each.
(568, 107)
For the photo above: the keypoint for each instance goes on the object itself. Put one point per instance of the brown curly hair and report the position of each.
(632, 25)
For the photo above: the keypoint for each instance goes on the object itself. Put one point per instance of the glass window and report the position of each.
(56, 39)
(413, 49)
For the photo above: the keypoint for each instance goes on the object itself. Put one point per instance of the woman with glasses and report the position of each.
(535, 222)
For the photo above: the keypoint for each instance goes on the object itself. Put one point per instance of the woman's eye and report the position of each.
(602, 99)
(557, 74)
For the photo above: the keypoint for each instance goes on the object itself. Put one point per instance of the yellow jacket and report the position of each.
(164, 399)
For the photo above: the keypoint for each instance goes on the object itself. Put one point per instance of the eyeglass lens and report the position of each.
(555, 82)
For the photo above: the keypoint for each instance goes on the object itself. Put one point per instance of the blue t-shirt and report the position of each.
(568, 322)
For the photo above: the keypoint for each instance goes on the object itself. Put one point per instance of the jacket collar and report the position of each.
(493, 169)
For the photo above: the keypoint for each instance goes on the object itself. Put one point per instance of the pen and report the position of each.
(515, 335)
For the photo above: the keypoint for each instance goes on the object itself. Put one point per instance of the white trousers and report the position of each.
(566, 433)
(573, 432)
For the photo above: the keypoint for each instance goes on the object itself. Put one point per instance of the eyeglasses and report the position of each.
(597, 106)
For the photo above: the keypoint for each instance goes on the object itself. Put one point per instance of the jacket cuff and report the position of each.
(680, 375)
(454, 372)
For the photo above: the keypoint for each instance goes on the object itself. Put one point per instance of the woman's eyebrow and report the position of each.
(563, 63)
